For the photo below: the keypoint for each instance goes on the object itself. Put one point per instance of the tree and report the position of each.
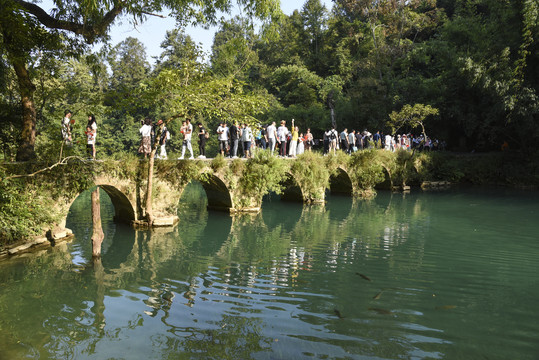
(179, 52)
(314, 17)
(411, 117)
(232, 49)
(22, 23)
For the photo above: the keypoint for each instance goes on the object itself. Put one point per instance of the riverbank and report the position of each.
(31, 207)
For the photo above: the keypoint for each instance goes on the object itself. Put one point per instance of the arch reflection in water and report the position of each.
(204, 230)
(119, 238)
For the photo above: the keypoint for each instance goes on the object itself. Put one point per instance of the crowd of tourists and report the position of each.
(240, 140)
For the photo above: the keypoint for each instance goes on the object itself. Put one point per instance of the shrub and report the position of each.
(366, 171)
(312, 173)
(262, 174)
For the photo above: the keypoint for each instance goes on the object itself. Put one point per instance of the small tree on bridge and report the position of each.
(410, 117)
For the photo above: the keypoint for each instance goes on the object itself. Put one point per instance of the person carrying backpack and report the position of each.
(333, 139)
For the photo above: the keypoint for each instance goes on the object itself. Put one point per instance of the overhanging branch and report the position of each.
(89, 32)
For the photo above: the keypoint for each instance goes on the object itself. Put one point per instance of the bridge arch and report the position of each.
(341, 183)
(291, 189)
(124, 210)
(217, 192)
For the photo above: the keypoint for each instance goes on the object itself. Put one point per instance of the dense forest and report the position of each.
(475, 61)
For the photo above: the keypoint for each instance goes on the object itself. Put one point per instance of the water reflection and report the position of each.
(281, 284)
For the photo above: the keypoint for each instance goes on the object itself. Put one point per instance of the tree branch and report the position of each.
(89, 32)
(62, 162)
(152, 14)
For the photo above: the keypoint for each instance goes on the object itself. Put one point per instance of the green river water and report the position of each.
(440, 275)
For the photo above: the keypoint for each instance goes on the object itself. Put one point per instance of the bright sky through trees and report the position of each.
(153, 31)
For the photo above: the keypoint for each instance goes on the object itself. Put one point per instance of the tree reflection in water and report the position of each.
(206, 287)
(232, 337)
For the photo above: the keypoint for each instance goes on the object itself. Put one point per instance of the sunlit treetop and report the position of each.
(92, 19)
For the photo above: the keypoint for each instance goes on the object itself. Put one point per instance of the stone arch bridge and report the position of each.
(223, 187)
(234, 186)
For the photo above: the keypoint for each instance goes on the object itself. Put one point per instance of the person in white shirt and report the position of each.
(247, 139)
(272, 136)
(282, 133)
(187, 131)
(222, 131)
(93, 125)
(352, 142)
(333, 135)
(388, 141)
(344, 140)
(146, 142)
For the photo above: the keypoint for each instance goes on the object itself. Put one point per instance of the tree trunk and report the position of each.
(98, 235)
(27, 140)
(332, 110)
(99, 303)
(149, 184)
(149, 210)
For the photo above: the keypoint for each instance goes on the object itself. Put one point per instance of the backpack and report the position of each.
(168, 135)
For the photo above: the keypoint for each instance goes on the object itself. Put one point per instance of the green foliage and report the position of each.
(366, 171)
(295, 84)
(263, 174)
(436, 166)
(178, 173)
(23, 212)
(411, 117)
(25, 203)
(125, 166)
(311, 172)
(218, 163)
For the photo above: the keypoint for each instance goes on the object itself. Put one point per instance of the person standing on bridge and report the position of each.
(235, 134)
(272, 136)
(66, 128)
(92, 124)
(146, 142)
(282, 133)
(165, 135)
(247, 139)
(309, 140)
(333, 135)
(203, 135)
(187, 131)
(292, 152)
(222, 132)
